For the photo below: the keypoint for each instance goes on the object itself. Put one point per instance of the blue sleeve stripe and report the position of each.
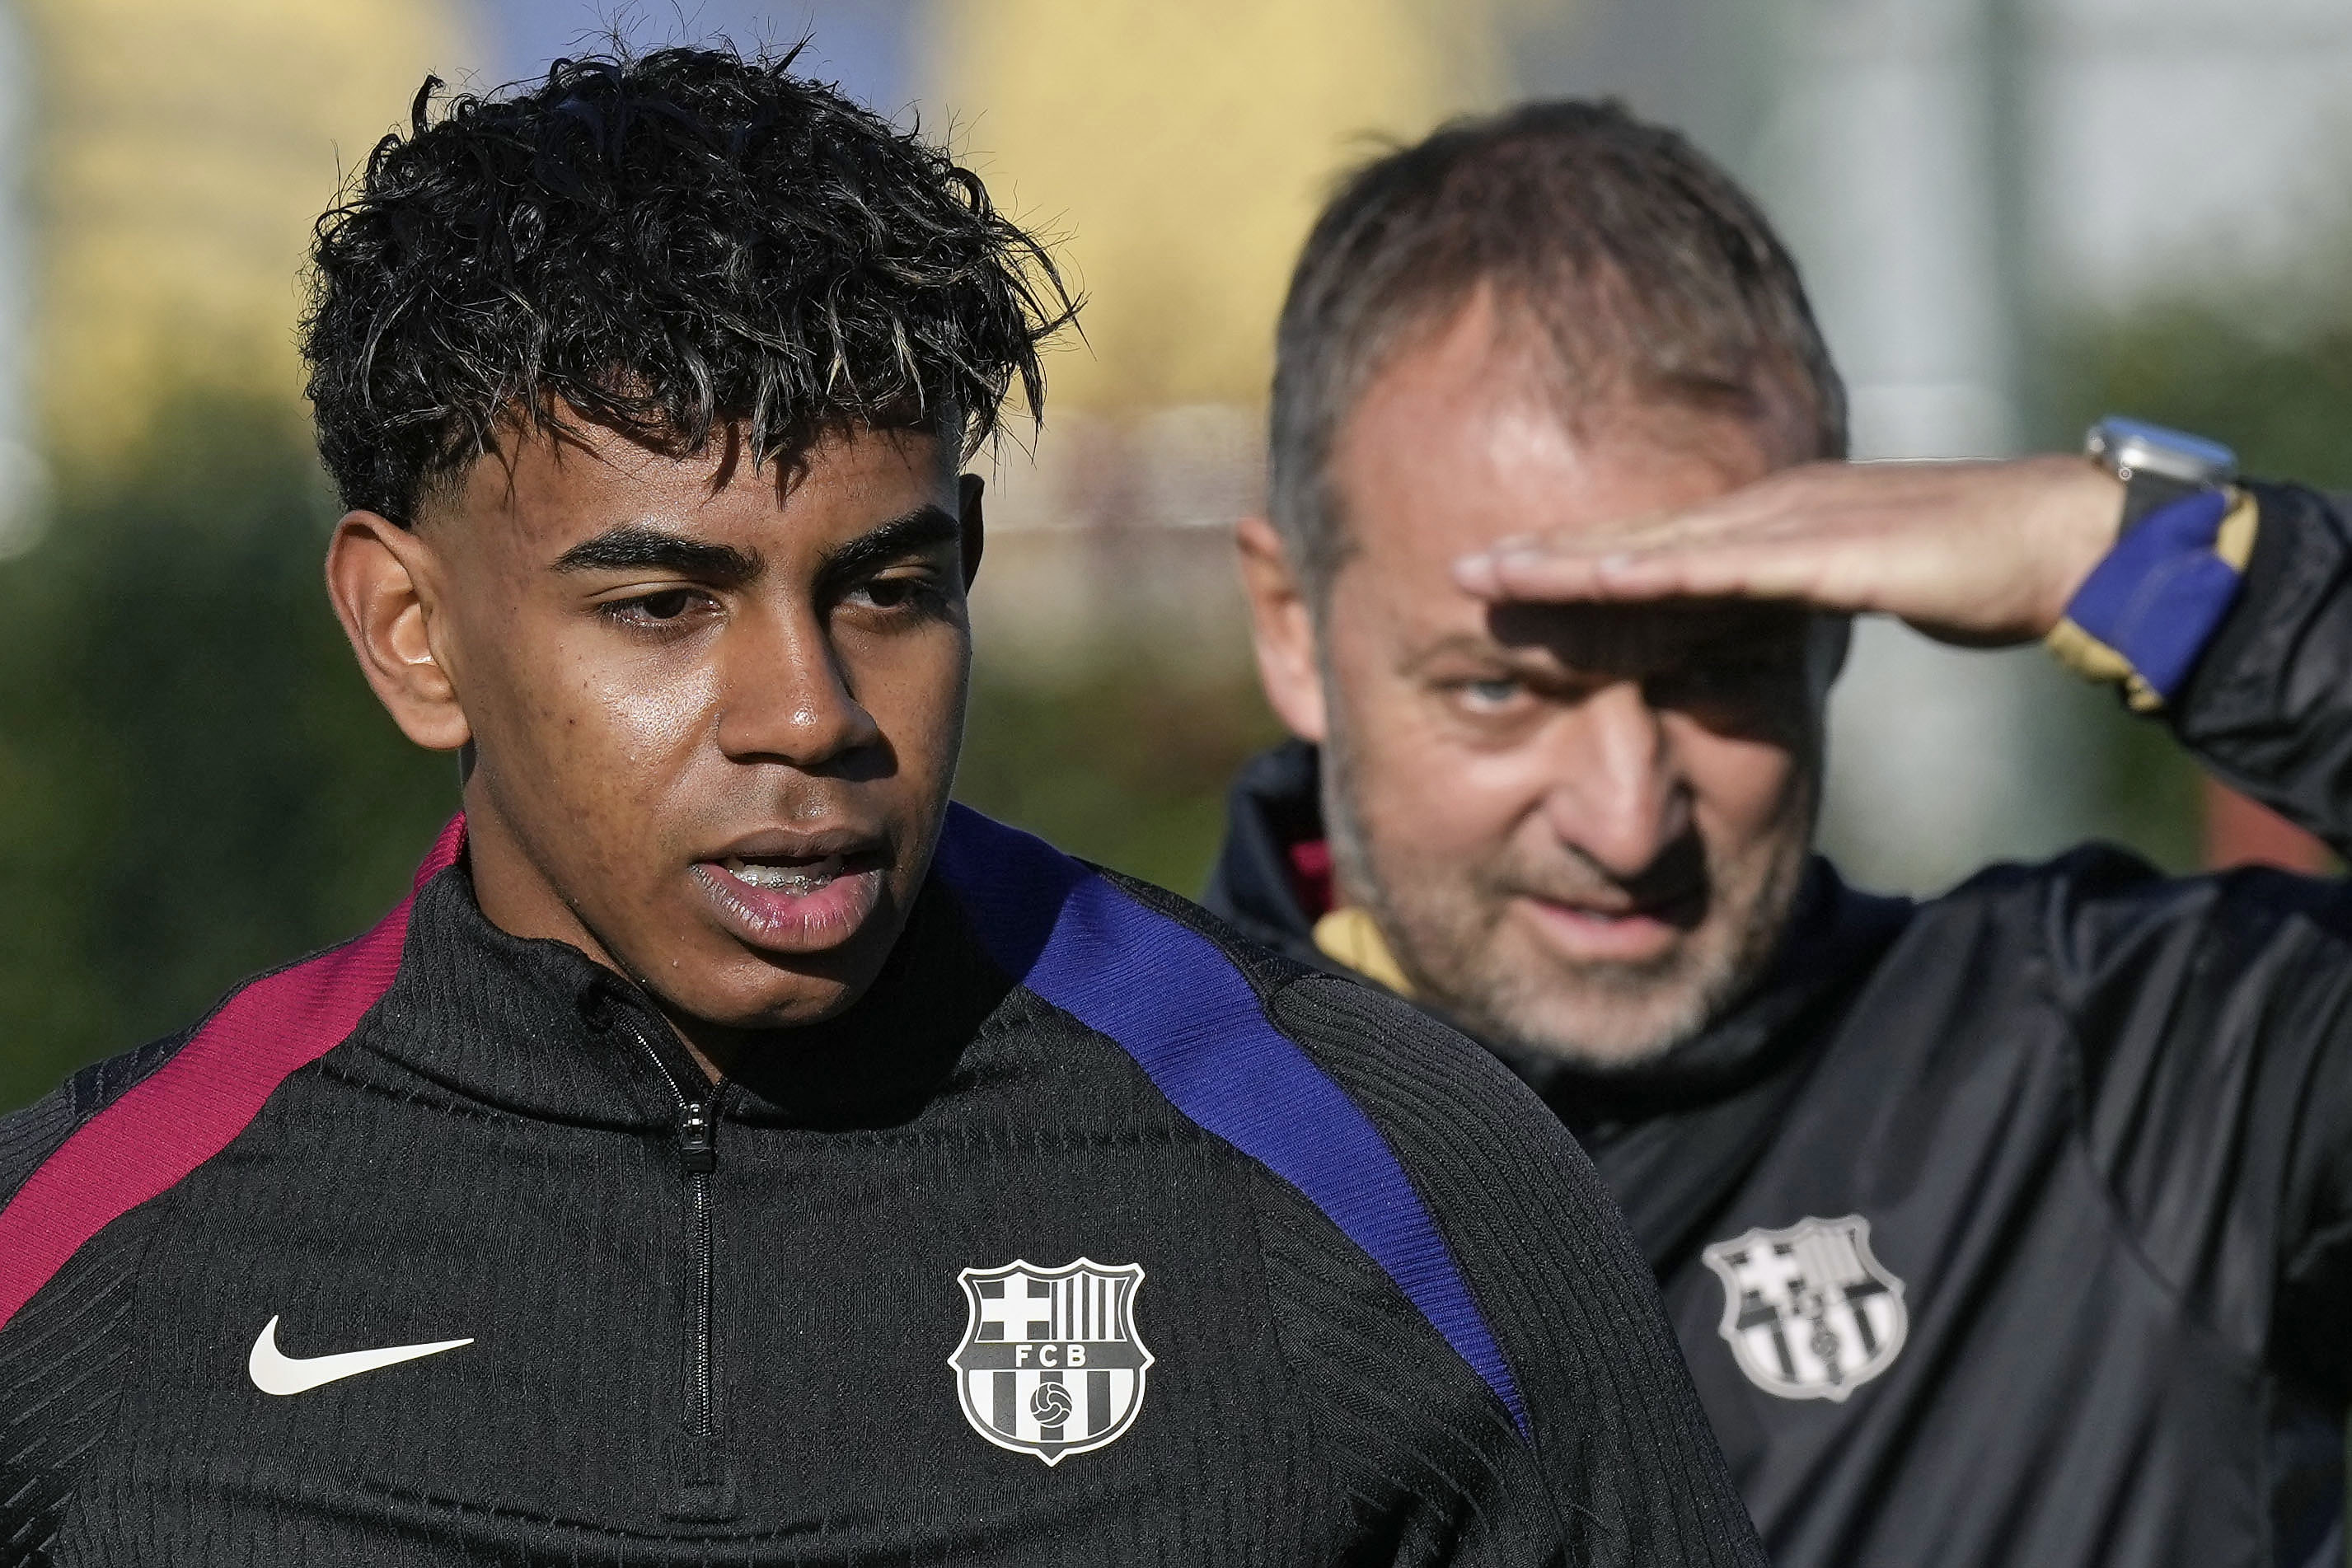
(1190, 1020)
(2159, 595)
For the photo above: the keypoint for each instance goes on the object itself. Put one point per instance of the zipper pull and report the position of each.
(697, 1140)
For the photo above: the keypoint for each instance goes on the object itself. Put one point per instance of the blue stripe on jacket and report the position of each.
(1176, 1004)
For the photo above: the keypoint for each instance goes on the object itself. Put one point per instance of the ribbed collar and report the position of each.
(537, 1029)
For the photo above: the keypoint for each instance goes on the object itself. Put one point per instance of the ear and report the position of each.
(975, 532)
(1281, 625)
(379, 576)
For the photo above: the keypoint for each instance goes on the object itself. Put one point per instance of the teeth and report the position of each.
(813, 877)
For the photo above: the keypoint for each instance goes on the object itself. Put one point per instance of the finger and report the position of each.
(1734, 522)
(1730, 519)
(1538, 572)
(1802, 571)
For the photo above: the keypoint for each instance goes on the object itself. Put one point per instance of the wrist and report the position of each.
(2079, 517)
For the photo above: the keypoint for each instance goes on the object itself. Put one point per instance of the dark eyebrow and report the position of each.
(920, 529)
(634, 547)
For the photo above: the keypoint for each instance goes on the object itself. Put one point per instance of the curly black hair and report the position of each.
(665, 244)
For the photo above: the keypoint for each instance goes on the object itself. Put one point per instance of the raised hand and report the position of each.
(1981, 554)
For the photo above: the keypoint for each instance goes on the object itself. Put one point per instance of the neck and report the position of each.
(514, 891)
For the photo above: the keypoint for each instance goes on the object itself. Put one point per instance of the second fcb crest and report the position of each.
(1050, 1363)
(1808, 1312)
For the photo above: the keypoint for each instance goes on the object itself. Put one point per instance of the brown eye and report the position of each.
(669, 607)
(915, 593)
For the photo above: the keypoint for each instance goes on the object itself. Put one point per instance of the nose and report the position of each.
(785, 696)
(1618, 799)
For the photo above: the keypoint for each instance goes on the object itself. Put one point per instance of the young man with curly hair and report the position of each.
(733, 1153)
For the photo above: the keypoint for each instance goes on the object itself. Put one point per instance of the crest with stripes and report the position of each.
(1808, 1311)
(1050, 1363)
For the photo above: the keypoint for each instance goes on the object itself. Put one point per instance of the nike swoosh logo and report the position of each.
(274, 1371)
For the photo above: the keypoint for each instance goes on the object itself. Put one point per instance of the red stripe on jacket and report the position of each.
(191, 1107)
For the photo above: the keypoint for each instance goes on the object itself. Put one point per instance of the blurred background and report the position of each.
(2015, 214)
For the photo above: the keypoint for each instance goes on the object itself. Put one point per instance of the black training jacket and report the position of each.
(2014, 1227)
(1091, 1235)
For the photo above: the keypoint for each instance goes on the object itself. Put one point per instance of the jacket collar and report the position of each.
(1274, 804)
(537, 1029)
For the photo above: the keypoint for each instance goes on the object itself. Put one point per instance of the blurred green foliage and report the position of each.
(1124, 762)
(196, 784)
(2279, 393)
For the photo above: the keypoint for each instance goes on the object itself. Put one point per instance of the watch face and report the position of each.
(2131, 446)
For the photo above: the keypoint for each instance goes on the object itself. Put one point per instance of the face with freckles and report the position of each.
(714, 709)
(1579, 828)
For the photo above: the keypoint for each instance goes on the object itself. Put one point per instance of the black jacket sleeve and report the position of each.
(2212, 1017)
(31, 1136)
(1619, 1464)
(2269, 707)
(2216, 1014)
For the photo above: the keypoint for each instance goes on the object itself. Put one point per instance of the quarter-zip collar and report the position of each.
(535, 1028)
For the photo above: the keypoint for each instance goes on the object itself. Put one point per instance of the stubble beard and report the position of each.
(1599, 1016)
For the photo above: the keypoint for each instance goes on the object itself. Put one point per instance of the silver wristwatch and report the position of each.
(2156, 466)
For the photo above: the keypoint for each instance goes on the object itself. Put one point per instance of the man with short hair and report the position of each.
(734, 1154)
(2013, 1225)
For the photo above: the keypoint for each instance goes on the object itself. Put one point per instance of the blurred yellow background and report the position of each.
(1184, 150)
(181, 153)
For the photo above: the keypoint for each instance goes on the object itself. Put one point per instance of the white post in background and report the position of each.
(21, 487)
(1883, 161)
(2195, 149)
(1954, 173)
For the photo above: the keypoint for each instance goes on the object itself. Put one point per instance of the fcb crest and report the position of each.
(1808, 1312)
(1050, 1363)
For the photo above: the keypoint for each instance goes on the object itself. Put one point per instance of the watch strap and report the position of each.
(2145, 493)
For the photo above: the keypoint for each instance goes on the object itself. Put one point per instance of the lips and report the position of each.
(1600, 935)
(794, 892)
(1618, 927)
